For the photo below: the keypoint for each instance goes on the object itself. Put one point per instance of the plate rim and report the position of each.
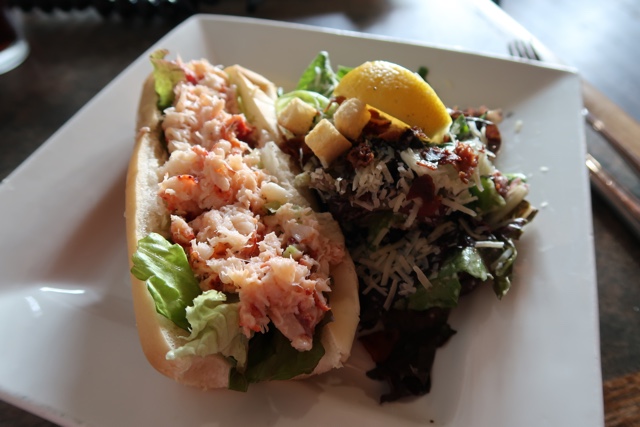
(57, 416)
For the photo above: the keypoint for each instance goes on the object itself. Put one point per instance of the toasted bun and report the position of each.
(146, 213)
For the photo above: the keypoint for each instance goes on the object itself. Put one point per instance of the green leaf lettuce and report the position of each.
(215, 329)
(170, 280)
(319, 76)
(166, 75)
(271, 357)
(488, 199)
(445, 288)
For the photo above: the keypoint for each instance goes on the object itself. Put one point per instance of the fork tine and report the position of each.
(531, 52)
(522, 49)
(615, 193)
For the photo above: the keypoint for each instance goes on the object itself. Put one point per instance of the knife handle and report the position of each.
(623, 202)
(612, 123)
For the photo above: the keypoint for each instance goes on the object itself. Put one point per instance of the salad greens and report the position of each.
(423, 72)
(414, 261)
(166, 75)
(503, 267)
(315, 86)
(215, 328)
(271, 357)
(168, 275)
(488, 199)
(445, 288)
(319, 76)
(316, 100)
(461, 128)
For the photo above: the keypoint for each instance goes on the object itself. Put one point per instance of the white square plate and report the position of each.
(70, 350)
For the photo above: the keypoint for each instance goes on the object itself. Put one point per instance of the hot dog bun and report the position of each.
(146, 213)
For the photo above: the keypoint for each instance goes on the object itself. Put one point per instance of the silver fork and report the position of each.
(625, 203)
(526, 50)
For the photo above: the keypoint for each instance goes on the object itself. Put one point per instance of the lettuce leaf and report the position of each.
(443, 292)
(168, 275)
(469, 261)
(488, 199)
(166, 75)
(445, 289)
(460, 128)
(271, 357)
(342, 71)
(503, 267)
(423, 72)
(316, 100)
(215, 329)
(321, 103)
(319, 76)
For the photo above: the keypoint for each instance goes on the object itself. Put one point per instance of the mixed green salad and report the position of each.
(425, 222)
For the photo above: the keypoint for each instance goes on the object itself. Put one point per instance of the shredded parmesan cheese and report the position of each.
(386, 272)
(392, 293)
(413, 214)
(489, 244)
(458, 207)
(424, 281)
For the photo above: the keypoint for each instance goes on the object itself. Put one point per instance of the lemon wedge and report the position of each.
(398, 92)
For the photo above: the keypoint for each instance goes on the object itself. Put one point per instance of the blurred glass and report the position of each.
(13, 47)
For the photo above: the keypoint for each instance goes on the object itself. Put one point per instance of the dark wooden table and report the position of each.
(75, 54)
